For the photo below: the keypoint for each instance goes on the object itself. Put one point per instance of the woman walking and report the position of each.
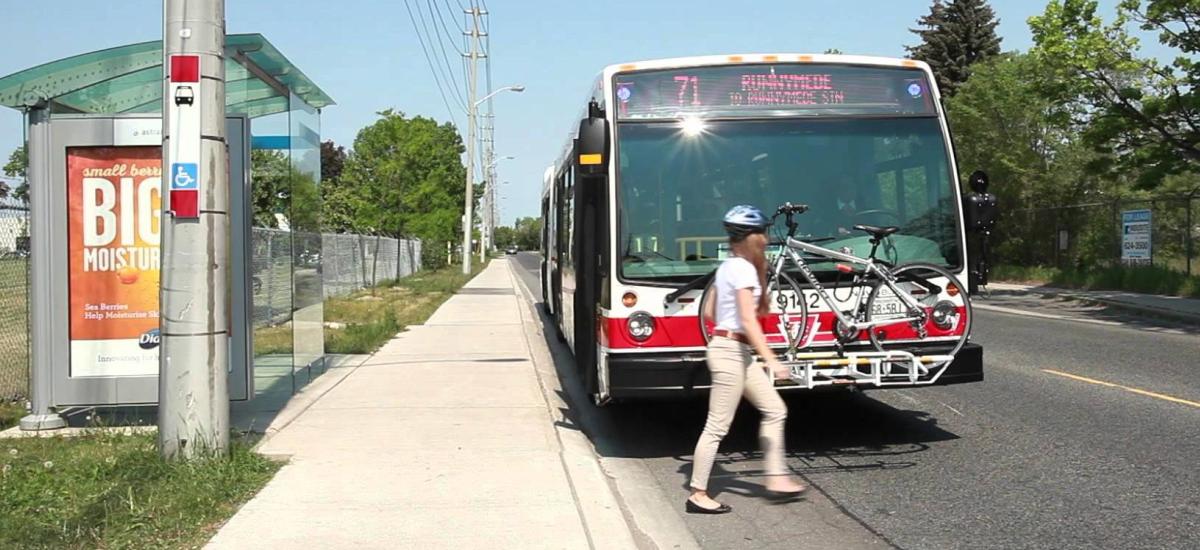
(738, 304)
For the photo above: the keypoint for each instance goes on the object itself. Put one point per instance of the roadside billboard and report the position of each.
(113, 219)
(1136, 237)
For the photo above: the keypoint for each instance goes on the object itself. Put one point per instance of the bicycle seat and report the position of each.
(876, 231)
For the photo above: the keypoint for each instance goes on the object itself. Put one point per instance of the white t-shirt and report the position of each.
(734, 274)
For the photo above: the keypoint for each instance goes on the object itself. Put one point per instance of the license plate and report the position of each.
(887, 307)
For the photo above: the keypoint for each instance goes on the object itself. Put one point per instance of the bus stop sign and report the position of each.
(183, 130)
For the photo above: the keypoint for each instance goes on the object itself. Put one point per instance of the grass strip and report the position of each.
(106, 490)
(361, 322)
(10, 414)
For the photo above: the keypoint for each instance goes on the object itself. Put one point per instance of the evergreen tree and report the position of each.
(955, 35)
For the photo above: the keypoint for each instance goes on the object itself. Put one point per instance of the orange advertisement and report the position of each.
(113, 207)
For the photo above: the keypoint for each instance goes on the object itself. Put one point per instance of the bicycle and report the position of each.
(906, 305)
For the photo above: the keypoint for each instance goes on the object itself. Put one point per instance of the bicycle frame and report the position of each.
(870, 267)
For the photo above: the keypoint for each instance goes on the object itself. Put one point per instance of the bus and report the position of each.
(632, 207)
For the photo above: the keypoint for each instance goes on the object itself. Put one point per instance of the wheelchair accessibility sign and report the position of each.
(184, 195)
(184, 175)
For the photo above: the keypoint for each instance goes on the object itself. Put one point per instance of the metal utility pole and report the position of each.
(490, 143)
(468, 204)
(490, 183)
(193, 411)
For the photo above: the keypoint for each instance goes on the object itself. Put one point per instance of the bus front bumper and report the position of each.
(663, 375)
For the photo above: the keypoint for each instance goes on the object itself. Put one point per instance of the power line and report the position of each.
(445, 56)
(461, 28)
(441, 90)
(448, 75)
(441, 23)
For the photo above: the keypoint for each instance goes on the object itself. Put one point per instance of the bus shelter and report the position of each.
(94, 135)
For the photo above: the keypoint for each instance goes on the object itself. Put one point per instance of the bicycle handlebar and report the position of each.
(791, 209)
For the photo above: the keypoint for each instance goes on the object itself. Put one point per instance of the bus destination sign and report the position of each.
(749, 90)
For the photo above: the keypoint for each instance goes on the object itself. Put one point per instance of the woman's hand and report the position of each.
(778, 370)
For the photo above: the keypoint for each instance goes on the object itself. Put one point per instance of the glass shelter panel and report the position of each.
(271, 263)
(305, 220)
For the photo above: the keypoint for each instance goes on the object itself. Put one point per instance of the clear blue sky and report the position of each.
(366, 55)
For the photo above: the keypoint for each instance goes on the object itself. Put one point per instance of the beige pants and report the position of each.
(735, 374)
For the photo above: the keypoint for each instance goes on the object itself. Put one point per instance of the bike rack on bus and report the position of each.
(883, 368)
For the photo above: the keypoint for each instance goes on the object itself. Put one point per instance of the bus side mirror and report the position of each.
(980, 208)
(591, 151)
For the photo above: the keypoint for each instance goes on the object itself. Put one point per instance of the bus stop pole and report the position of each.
(193, 411)
(41, 293)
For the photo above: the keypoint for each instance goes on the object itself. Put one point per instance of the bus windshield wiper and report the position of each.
(698, 282)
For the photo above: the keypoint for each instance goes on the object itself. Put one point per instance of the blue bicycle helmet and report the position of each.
(744, 219)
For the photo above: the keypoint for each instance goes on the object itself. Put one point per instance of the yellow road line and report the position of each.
(1126, 388)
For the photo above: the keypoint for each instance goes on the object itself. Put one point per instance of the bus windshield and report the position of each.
(676, 180)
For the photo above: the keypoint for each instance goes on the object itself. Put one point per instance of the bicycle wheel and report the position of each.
(785, 322)
(946, 314)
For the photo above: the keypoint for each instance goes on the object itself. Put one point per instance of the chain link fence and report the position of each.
(1085, 236)
(347, 262)
(271, 276)
(14, 290)
(359, 261)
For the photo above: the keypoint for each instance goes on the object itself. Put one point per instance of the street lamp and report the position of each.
(468, 203)
(488, 231)
(497, 161)
(515, 88)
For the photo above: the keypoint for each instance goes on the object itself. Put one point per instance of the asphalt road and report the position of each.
(1085, 434)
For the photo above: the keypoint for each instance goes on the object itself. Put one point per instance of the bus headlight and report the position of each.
(641, 326)
(945, 315)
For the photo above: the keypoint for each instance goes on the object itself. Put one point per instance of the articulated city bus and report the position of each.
(632, 207)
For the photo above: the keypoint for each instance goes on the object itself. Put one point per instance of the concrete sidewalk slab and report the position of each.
(441, 385)
(441, 439)
(477, 309)
(350, 433)
(452, 341)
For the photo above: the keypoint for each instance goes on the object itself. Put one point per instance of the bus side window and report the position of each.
(561, 243)
(569, 212)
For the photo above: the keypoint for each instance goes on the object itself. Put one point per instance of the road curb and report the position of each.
(1148, 311)
(596, 502)
(647, 521)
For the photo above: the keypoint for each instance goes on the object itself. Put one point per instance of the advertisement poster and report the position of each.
(1135, 237)
(113, 202)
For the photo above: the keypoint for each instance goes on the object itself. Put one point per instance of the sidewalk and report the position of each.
(442, 439)
(1172, 307)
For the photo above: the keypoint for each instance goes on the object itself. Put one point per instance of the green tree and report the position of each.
(505, 236)
(1004, 125)
(270, 186)
(528, 233)
(305, 214)
(16, 167)
(1143, 113)
(404, 178)
(954, 36)
(333, 160)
